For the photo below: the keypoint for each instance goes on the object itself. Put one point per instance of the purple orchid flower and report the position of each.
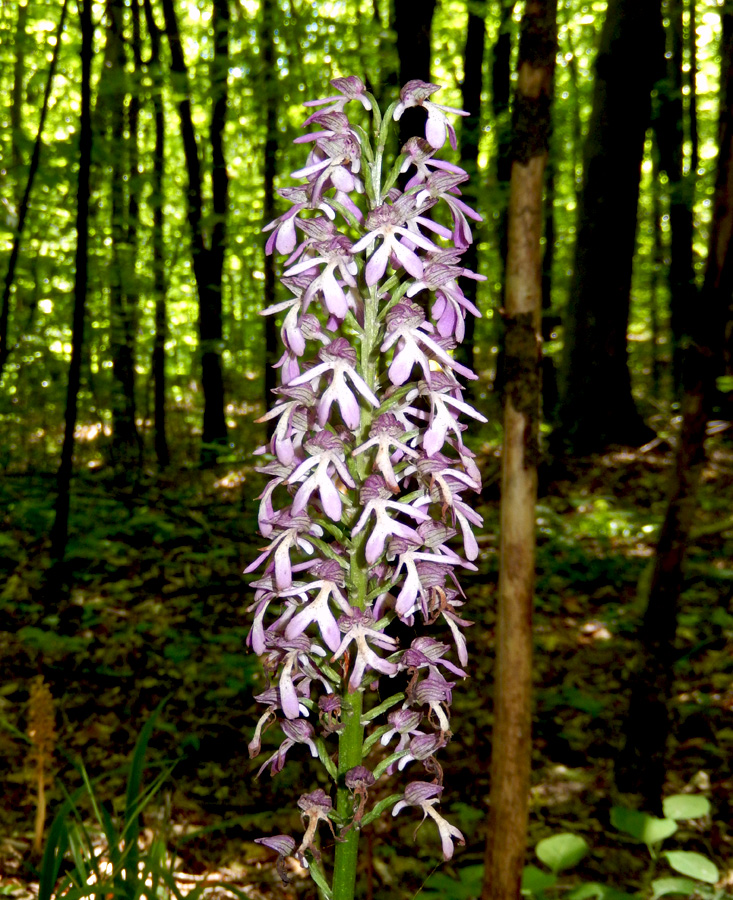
(385, 434)
(292, 535)
(358, 627)
(297, 731)
(416, 93)
(339, 358)
(419, 154)
(406, 324)
(318, 610)
(426, 796)
(349, 88)
(377, 499)
(388, 223)
(326, 456)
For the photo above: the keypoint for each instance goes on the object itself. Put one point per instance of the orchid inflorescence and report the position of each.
(368, 469)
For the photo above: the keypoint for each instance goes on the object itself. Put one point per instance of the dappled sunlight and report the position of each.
(233, 479)
(89, 432)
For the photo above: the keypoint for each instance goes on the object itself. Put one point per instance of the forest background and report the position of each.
(141, 146)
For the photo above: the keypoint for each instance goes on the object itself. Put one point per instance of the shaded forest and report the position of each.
(144, 147)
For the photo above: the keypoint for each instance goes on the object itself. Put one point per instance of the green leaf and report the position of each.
(133, 793)
(686, 806)
(663, 886)
(599, 891)
(694, 865)
(535, 882)
(326, 759)
(561, 851)
(468, 885)
(53, 854)
(379, 808)
(386, 763)
(641, 825)
(319, 878)
(373, 738)
(586, 891)
(383, 707)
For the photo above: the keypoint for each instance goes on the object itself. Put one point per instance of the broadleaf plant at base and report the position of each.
(370, 477)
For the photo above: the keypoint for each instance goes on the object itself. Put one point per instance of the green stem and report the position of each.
(351, 741)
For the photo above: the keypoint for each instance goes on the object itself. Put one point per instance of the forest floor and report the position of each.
(159, 611)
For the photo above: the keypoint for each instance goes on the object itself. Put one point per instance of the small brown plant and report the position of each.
(42, 733)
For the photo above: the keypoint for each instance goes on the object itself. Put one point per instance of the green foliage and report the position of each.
(561, 851)
(536, 881)
(117, 871)
(686, 806)
(465, 887)
(682, 886)
(693, 865)
(599, 892)
(642, 826)
(565, 851)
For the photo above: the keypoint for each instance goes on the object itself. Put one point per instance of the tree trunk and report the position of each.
(60, 529)
(511, 738)
(413, 21)
(162, 453)
(501, 84)
(641, 766)
(471, 87)
(113, 91)
(501, 88)
(657, 264)
(718, 286)
(692, 84)
(24, 202)
(597, 407)
(269, 86)
(210, 313)
(501, 81)
(207, 261)
(16, 105)
(669, 128)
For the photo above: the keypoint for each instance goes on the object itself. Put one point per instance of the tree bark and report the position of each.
(413, 22)
(162, 452)
(692, 84)
(642, 765)
(501, 80)
(511, 738)
(126, 447)
(269, 83)
(471, 87)
(597, 407)
(210, 314)
(718, 285)
(16, 105)
(669, 127)
(657, 264)
(25, 201)
(60, 529)
(207, 260)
